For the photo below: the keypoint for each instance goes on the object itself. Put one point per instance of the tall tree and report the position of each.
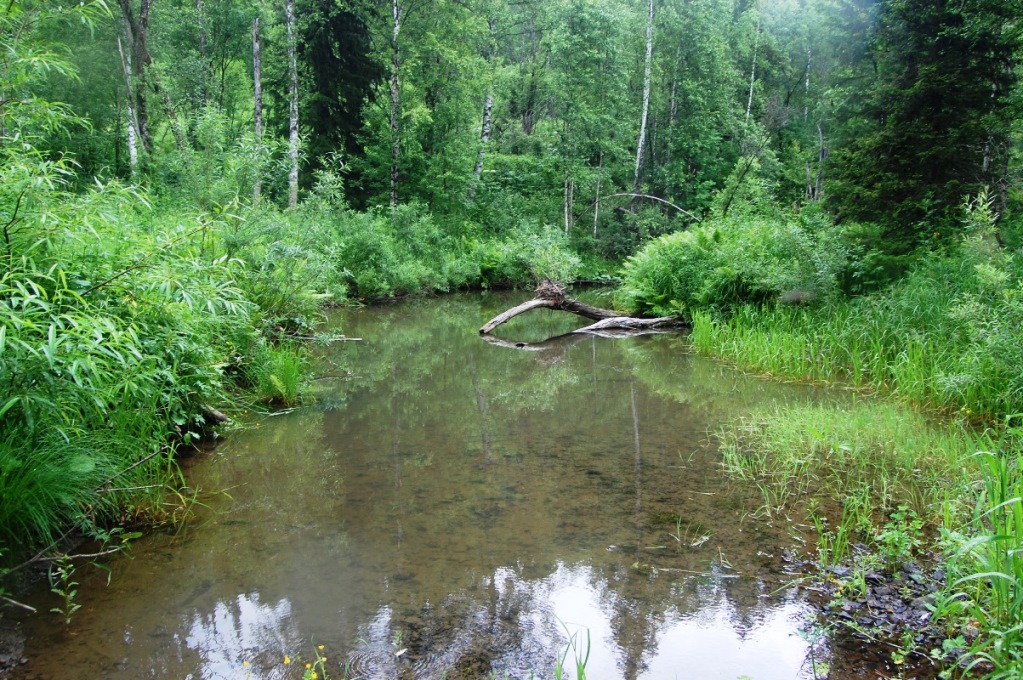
(337, 76)
(257, 116)
(136, 33)
(648, 64)
(488, 110)
(936, 119)
(293, 139)
(397, 18)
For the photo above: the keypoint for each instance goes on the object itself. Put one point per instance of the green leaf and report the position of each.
(9, 405)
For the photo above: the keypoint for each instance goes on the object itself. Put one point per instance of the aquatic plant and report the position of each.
(62, 584)
(836, 452)
(580, 652)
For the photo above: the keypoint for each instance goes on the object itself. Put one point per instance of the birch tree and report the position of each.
(488, 108)
(136, 29)
(646, 94)
(753, 64)
(133, 120)
(257, 88)
(396, 18)
(293, 140)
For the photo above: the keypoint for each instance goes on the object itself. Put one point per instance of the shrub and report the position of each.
(728, 262)
(529, 254)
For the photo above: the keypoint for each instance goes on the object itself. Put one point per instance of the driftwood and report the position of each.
(552, 296)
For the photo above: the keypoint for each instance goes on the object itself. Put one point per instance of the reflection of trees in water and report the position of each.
(429, 344)
(517, 626)
(243, 637)
(473, 630)
(462, 458)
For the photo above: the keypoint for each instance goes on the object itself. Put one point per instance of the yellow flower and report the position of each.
(314, 675)
(287, 659)
(319, 647)
(308, 666)
(245, 663)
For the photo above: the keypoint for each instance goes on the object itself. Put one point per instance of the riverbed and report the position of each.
(449, 508)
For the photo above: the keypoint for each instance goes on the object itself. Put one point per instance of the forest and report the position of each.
(826, 190)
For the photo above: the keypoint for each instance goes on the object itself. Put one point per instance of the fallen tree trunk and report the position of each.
(614, 326)
(552, 296)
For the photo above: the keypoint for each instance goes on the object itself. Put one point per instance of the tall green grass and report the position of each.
(945, 337)
(986, 568)
(833, 453)
(277, 374)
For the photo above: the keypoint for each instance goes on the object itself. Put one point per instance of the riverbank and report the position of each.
(917, 512)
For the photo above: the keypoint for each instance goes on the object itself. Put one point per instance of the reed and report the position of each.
(834, 452)
(988, 565)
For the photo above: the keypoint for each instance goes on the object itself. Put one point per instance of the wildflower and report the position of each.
(287, 659)
(319, 647)
(245, 663)
(308, 666)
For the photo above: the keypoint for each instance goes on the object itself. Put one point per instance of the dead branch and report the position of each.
(18, 604)
(551, 295)
(623, 326)
(661, 200)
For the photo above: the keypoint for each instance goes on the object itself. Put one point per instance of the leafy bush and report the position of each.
(116, 330)
(727, 262)
(529, 254)
(946, 335)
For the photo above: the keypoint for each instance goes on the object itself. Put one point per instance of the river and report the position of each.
(447, 508)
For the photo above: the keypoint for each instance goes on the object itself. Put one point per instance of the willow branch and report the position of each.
(143, 262)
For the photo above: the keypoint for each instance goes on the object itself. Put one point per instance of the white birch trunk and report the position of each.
(257, 90)
(596, 203)
(293, 108)
(477, 171)
(806, 105)
(137, 58)
(569, 198)
(753, 67)
(646, 93)
(133, 123)
(201, 14)
(395, 100)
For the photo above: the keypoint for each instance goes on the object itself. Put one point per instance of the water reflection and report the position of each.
(235, 639)
(467, 511)
(505, 623)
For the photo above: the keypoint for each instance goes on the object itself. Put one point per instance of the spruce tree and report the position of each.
(934, 123)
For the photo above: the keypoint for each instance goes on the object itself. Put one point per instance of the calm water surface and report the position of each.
(451, 509)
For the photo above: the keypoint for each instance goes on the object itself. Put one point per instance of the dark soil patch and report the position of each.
(12, 646)
(882, 620)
